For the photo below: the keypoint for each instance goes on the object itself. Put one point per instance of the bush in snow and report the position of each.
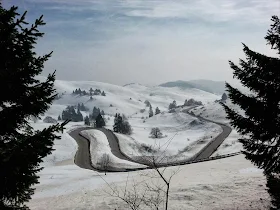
(156, 133)
(142, 110)
(148, 104)
(146, 148)
(157, 111)
(49, 119)
(172, 105)
(104, 162)
(172, 110)
(192, 102)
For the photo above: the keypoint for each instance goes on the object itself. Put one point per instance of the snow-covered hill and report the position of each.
(210, 86)
(128, 100)
(210, 185)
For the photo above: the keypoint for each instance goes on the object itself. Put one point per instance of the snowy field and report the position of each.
(231, 183)
(183, 136)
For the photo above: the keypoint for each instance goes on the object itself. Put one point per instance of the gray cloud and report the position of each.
(150, 41)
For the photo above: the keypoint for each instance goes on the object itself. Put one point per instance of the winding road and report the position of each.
(83, 156)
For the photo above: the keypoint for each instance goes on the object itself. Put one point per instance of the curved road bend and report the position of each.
(115, 147)
(83, 156)
(213, 145)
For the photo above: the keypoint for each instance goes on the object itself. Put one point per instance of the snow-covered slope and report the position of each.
(128, 100)
(231, 183)
(222, 184)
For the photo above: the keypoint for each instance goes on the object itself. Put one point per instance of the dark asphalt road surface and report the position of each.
(82, 156)
(212, 146)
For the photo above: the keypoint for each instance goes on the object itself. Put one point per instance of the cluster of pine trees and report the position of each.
(96, 92)
(151, 112)
(192, 102)
(121, 124)
(91, 92)
(95, 118)
(82, 107)
(95, 112)
(71, 114)
(172, 105)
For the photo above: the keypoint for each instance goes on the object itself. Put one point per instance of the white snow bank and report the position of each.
(99, 145)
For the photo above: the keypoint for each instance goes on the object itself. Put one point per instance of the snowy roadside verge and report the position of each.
(99, 146)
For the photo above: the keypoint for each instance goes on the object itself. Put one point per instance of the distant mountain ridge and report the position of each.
(216, 87)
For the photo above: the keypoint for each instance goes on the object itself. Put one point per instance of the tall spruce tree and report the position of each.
(260, 126)
(151, 112)
(157, 111)
(86, 120)
(100, 122)
(260, 123)
(118, 121)
(21, 147)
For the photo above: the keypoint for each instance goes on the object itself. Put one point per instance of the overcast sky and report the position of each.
(148, 41)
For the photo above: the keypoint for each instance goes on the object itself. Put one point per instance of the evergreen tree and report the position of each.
(224, 97)
(151, 113)
(99, 121)
(90, 91)
(102, 112)
(79, 116)
(21, 147)
(103, 93)
(87, 122)
(260, 123)
(157, 111)
(59, 118)
(173, 105)
(79, 107)
(273, 185)
(95, 113)
(117, 127)
(260, 126)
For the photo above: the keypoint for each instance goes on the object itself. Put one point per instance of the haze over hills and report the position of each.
(216, 87)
